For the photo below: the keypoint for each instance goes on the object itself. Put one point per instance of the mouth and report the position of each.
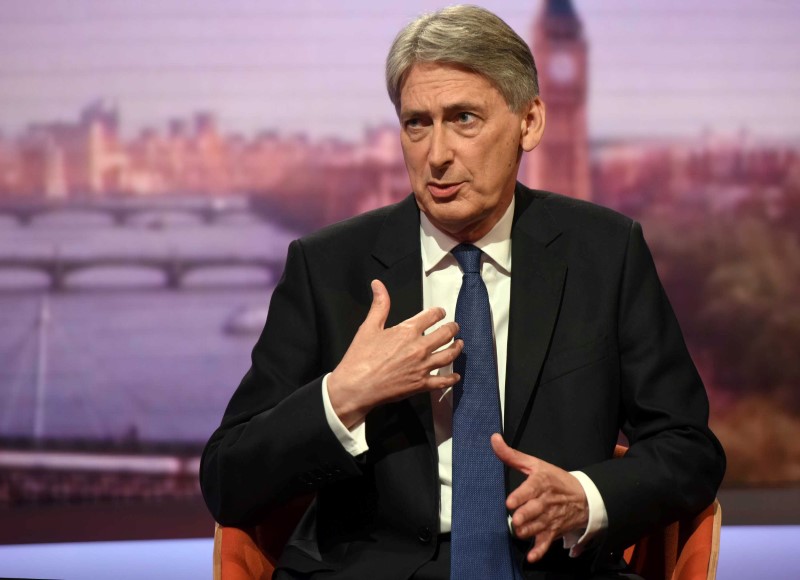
(443, 190)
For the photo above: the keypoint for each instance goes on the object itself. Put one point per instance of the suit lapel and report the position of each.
(537, 284)
(398, 251)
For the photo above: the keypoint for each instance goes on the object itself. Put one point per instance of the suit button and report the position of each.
(424, 534)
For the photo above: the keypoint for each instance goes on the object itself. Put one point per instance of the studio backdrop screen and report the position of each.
(156, 158)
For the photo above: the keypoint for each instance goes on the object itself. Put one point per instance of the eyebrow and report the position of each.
(448, 109)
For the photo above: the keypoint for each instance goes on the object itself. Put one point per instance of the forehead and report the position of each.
(431, 86)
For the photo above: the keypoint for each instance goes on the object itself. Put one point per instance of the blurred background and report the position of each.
(156, 158)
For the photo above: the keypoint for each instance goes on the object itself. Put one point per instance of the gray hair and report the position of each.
(470, 37)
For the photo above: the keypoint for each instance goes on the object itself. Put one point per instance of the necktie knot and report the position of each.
(469, 258)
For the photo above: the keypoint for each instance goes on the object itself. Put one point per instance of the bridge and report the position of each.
(174, 268)
(123, 211)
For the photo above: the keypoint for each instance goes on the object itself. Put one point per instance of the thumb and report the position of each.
(511, 457)
(379, 310)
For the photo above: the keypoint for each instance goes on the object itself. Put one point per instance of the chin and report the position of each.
(452, 224)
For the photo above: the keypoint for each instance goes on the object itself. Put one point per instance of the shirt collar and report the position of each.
(496, 244)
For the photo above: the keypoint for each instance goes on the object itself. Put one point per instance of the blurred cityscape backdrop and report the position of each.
(157, 157)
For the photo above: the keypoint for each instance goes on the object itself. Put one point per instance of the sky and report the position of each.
(657, 68)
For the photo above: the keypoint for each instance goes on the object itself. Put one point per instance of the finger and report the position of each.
(442, 381)
(542, 544)
(444, 357)
(441, 336)
(528, 513)
(424, 319)
(528, 529)
(511, 457)
(525, 493)
(379, 310)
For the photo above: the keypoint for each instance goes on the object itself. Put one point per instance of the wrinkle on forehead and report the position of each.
(429, 86)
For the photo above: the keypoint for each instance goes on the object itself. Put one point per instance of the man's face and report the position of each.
(462, 147)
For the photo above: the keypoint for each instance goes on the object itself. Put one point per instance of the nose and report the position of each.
(440, 153)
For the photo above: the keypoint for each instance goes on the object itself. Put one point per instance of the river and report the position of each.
(118, 354)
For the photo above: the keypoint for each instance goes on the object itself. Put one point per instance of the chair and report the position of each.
(252, 553)
(686, 549)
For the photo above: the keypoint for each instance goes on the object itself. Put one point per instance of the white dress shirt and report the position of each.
(441, 282)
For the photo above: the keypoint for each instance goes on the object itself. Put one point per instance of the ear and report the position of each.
(532, 125)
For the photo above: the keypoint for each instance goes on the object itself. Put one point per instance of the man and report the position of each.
(352, 392)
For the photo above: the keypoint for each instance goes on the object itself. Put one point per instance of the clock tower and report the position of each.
(561, 161)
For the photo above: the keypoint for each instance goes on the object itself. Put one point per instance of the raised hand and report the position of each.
(549, 503)
(389, 364)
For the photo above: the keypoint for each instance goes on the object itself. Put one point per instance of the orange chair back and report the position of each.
(683, 550)
(252, 553)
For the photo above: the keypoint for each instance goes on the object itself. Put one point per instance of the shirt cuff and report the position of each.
(353, 440)
(577, 541)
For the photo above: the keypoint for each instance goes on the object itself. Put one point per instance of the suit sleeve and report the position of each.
(675, 464)
(274, 441)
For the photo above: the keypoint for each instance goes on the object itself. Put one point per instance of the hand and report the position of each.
(389, 364)
(548, 504)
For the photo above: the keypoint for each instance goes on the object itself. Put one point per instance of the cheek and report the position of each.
(413, 166)
(490, 163)
(500, 159)
(513, 151)
(415, 160)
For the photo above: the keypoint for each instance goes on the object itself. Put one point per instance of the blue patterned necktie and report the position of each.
(480, 544)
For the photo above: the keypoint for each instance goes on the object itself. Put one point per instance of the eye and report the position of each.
(465, 118)
(415, 124)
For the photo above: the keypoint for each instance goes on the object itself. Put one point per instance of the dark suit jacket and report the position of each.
(593, 348)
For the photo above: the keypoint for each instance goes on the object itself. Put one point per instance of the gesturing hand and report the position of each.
(548, 504)
(389, 364)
